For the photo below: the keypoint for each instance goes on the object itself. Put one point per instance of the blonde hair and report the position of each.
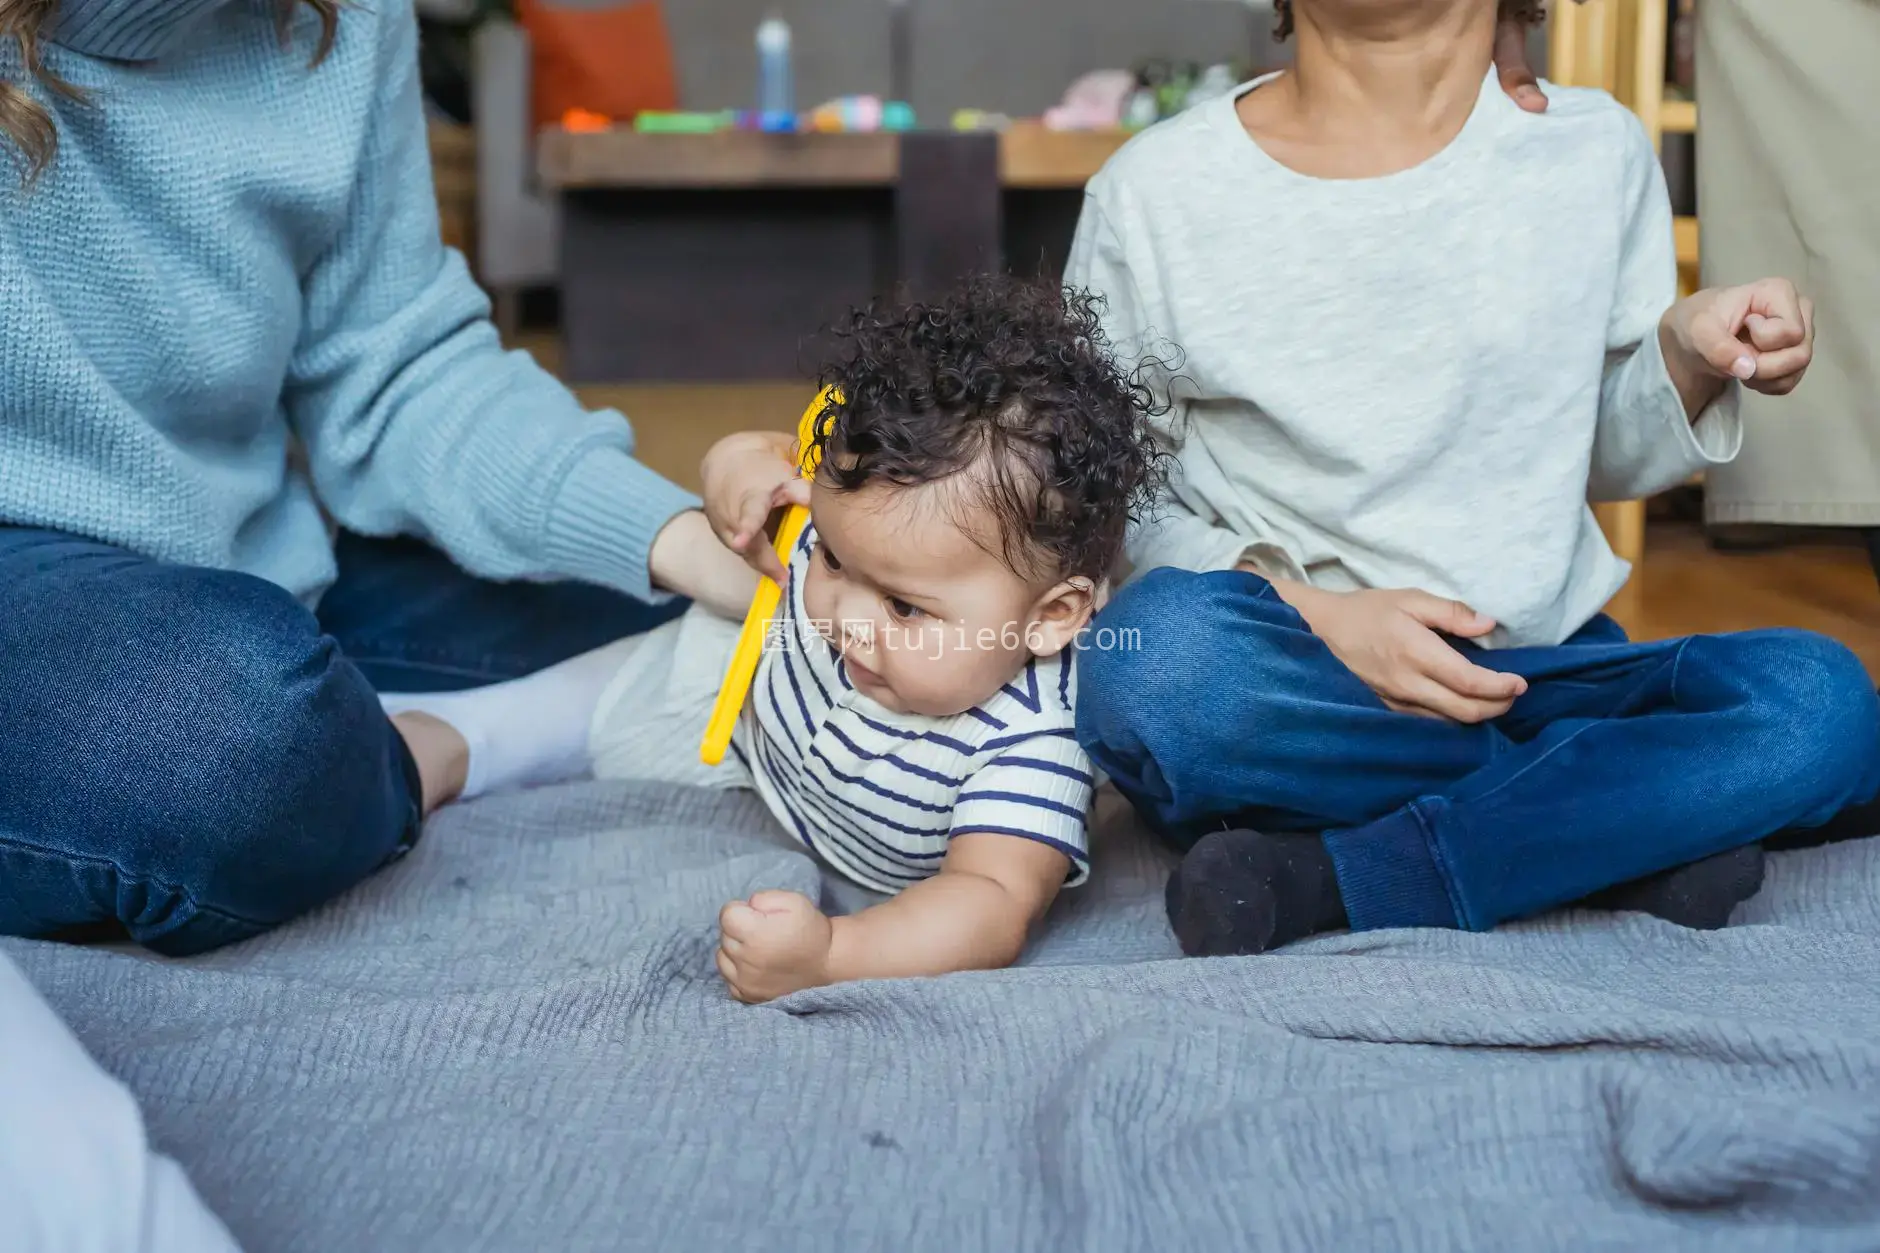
(26, 126)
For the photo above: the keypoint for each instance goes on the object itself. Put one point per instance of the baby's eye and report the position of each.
(829, 559)
(901, 609)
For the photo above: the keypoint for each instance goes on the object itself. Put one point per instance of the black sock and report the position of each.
(1241, 892)
(1856, 822)
(1700, 895)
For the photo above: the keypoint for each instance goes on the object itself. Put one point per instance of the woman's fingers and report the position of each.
(761, 557)
(791, 492)
(749, 541)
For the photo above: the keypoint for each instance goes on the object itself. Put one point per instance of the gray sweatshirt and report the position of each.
(1407, 381)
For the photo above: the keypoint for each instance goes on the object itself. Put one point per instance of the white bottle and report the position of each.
(776, 87)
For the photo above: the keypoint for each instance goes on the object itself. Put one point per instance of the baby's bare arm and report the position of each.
(973, 915)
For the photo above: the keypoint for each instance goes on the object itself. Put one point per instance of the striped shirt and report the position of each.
(879, 794)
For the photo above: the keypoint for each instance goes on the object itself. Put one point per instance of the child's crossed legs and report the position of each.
(1620, 761)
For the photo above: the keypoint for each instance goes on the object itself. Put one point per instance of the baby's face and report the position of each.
(928, 620)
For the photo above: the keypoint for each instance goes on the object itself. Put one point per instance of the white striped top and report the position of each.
(879, 794)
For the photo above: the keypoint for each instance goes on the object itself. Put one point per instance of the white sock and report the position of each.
(527, 732)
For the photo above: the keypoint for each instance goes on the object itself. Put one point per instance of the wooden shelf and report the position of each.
(1678, 117)
(1684, 231)
(454, 171)
(1031, 157)
(729, 160)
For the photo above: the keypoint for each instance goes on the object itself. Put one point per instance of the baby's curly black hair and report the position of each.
(1532, 12)
(1014, 382)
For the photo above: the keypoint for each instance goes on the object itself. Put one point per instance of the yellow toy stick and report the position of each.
(743, 671)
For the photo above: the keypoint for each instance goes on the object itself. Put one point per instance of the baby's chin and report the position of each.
(920, 704)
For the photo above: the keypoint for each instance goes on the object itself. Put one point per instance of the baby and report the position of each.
(912, 721)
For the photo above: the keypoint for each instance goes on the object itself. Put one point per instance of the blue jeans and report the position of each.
(191, 756)
(1210, 703)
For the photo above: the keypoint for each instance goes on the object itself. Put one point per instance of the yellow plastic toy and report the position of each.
(743, 670)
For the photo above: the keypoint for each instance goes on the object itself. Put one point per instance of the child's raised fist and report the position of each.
(1762, 334)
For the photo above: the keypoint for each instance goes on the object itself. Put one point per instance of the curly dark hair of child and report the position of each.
(1008, 387)
(1532, 12)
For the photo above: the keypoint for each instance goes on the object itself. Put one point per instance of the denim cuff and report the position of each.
(414, 797)
(1388, 876)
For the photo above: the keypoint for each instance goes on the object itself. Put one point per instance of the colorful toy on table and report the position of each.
(1172, 95)
(767, 123)
(849, 113)
(860, 115)
(667, 123)
(584, 122)
(971, 121)
(1163, 90)
(1094, 102)
(743, 669)
(1216, 81)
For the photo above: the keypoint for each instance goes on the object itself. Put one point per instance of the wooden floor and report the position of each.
(1684, 588)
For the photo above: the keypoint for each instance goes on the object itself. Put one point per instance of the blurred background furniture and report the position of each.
(1008, 56)
(1622, 46)
(695, 257)
(518, 240)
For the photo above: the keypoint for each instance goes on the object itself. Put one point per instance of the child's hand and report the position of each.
(747, 477)
(1762, 334)
(1390, 640)
(772, 945)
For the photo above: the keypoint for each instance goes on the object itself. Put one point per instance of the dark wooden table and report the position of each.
(722, 257)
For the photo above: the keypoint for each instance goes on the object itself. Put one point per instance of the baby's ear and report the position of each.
(1060, 614)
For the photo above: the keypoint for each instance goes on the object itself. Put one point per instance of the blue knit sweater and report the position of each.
(232, 248)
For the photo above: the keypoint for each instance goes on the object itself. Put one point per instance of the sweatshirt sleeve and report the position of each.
(1645, 441)
(414, 418)
(1176, 532)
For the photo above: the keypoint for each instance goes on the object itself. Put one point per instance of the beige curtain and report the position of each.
(1789, 184)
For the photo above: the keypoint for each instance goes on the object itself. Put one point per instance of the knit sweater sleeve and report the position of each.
(414, 418)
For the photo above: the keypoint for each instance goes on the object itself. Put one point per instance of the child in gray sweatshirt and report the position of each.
(1376, 687)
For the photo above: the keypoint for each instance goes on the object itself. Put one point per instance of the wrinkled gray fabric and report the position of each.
(515, 1040)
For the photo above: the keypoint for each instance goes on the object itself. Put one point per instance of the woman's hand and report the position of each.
(1389, 639)
(748, 477)
(688, 559)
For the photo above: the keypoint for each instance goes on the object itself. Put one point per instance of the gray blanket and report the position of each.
(516, 1041)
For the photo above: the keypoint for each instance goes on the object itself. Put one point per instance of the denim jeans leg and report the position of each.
(414, 622)
(1719, 741)
(1208, 700)
(1622, 759)
(187, 755)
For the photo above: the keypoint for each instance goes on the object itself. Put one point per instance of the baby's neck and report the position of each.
(1366, 99)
